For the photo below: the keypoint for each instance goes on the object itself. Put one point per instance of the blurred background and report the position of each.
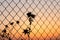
(45, 26)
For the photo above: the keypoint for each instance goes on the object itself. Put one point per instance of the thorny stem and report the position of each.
(30, 20)
(29, 37)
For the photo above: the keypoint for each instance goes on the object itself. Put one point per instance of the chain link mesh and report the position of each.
(45, 26)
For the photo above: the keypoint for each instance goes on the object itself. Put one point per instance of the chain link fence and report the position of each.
(45, 25)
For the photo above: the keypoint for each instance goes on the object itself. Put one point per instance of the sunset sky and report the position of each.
(45, 24)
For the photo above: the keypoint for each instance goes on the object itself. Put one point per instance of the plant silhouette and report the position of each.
(27, 31)
(4, 31)
(2, 36)
(10, 38)
(11, 23)
(6, 26)
(17, 22)
(30, 16)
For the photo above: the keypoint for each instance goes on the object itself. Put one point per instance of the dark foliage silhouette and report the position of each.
(30, 20)
(4, 30)
(10, 38)
(29, 14)
(17, 22)
(2, 35)
(6, 26)
(27, 31)
(11, 23)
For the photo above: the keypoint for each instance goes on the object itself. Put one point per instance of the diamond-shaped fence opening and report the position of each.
(29, 19)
